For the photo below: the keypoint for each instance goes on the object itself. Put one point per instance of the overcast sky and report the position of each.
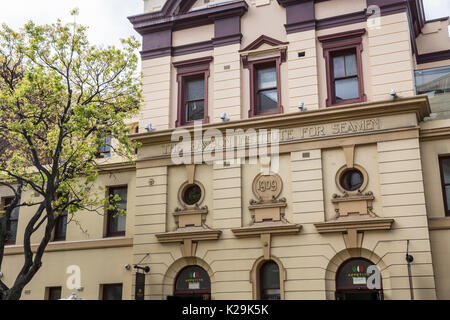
(107, 19)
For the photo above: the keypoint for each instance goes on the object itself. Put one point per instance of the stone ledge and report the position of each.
(439, 223)
(56, 246)
(358, 224)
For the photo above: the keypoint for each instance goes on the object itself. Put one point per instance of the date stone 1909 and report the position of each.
(267, 187)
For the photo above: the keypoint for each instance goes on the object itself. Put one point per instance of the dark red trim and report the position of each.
(189, 68)
(149, 22)
(263, 40)
(437, 19)
(433, 57)
(444, 195)
(193, 47)
(252, 66)
(192, 62)
(156, 29)
(335, 43)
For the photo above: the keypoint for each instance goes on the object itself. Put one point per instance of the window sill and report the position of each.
(347, 102)
(191, 124)
(115, 235)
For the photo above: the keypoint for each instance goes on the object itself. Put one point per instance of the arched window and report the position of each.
(270, 281)
(353, 277)
(192, 282)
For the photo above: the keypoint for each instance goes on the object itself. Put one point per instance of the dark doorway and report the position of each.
(352, 281)
(192, 283)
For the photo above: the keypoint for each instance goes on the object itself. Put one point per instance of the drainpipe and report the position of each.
(409, 259)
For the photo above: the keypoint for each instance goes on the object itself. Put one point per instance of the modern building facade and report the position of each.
(358, 174)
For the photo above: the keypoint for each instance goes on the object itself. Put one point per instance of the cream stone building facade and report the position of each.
(359, 93)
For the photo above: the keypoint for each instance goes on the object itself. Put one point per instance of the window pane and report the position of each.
(117, 221)
(105, 149)
(433, 81)
(194, 111)
(347, 89)
(112, 292)
(447, 194)
(339, 67)
(446, 170)
(195, 89)
(268, 100)
(61, 227)
(270, 276)
(267, 78)
(350, 65)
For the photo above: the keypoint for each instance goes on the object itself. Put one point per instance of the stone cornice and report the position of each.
(434, 133)
(177, 236)
(117, 166)
(360, 225)
(417, 104)
(57, 246)
(149, 22)
(276, 228)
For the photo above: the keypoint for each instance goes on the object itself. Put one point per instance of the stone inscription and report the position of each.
(284, 135)
(267, 187)
(340, 128)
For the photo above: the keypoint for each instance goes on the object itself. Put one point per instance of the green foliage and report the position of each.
(59, 98)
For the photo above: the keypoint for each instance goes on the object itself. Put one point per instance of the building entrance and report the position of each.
(352, 281)
(192, 283)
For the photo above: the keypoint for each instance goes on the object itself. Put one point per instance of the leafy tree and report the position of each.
(59, 97)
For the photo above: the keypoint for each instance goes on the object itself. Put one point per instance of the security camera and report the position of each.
(127, 266)
(224, 117)
(393, 93)
(301, 106)
(148, 127)
(1, 274)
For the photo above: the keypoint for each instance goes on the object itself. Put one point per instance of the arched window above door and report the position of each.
(193, 282)
(353, 278)
(270, 281)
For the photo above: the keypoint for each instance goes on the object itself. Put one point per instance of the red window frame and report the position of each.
(336, 45)
(253, 67)
(186, 70)
(443, 184)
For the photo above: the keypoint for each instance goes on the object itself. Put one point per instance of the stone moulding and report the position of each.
(194, 235)
(417, 104)
(360, 204)
(270, 228)
(360, 225)
(56, 246)
(185, 217)
(353, 230)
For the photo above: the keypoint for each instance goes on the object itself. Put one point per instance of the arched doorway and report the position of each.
(352, 281)
(192, 283)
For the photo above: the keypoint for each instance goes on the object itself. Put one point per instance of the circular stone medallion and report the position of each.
(267, 187)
